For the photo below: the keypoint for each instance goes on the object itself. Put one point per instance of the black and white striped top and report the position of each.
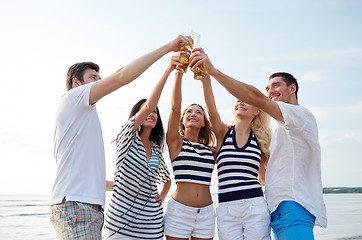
(133, 210)
(194, 164)
(238, 168)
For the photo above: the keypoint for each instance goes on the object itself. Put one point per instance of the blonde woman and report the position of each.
(242, 155)
(190, 213)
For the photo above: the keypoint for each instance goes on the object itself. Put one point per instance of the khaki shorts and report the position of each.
(76, 220)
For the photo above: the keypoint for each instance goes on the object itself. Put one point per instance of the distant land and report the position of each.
(342, 190)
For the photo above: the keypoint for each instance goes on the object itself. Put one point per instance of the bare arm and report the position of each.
(153, 99)
(240, 90)
(173, 137)
(132, 70)
(109, 185)
(218, 127)
(262, 169)
(163, 193)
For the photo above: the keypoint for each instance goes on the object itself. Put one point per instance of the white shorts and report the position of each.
(109, 235)
(182, 221)
(247, 219)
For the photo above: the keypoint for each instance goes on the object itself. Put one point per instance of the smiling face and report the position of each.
(151, 120)
(194, 119)
(193, 116)
(278, 90)
(244, 110)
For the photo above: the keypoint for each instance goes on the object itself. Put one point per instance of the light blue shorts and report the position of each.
(292, 221)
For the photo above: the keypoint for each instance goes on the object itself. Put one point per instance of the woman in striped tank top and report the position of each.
(190, 213)
(242, 155)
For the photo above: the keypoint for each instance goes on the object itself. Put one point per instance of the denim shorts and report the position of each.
(182, 221)
(292, 221)
(243, 219)
(77, 220)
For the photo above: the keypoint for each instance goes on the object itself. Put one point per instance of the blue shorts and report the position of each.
(292, 221)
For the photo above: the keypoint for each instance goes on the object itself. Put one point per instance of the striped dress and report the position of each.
(133, 210)
(238, 168)
(194, 164)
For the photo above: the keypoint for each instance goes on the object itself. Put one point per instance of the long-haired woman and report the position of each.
(242, 156)
(135, 209)
(190, 213)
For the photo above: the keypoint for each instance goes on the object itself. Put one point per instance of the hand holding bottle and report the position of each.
(200, 59)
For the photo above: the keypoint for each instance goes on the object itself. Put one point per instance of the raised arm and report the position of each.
(173, 137)
(153, 99)
(132, 70)
(218, 127)
(240, 90)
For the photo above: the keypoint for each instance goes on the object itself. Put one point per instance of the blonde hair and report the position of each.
(206, 136)
(261, 128)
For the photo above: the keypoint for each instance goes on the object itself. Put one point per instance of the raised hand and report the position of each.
(200, 59)
(180, 41)
(174, 62)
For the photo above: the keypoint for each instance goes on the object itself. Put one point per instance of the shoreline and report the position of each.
(326, 190)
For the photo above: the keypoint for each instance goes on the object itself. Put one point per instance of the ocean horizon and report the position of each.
(27, 217)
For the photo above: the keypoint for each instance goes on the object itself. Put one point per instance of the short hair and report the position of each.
(157, 134)
(77, 71)
(288, 79)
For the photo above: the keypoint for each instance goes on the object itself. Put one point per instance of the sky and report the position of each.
(319, 42)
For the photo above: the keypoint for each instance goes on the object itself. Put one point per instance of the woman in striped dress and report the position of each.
(190, 213)
(242, 155)
(135, 209)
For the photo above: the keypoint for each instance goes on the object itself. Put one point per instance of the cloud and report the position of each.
(310, 77)
(322, 55)
(341, 136)
(351, 110)
(338, 124)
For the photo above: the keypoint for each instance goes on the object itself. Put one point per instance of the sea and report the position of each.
(26, 217)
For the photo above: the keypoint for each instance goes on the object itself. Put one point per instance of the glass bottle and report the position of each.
(198, 73)
(184, 58)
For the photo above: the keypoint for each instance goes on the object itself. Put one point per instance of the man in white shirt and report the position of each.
(78, 194)
(293, 185)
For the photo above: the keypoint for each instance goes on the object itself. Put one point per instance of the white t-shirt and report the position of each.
(294, 167)
(78, 150)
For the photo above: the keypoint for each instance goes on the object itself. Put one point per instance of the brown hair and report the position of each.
(288, 79)
(206, 136)
(77, 71)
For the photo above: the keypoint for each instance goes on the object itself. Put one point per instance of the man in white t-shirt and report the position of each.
(78, 194)
(293, 185)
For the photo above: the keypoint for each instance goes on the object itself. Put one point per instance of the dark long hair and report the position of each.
(157, 134)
